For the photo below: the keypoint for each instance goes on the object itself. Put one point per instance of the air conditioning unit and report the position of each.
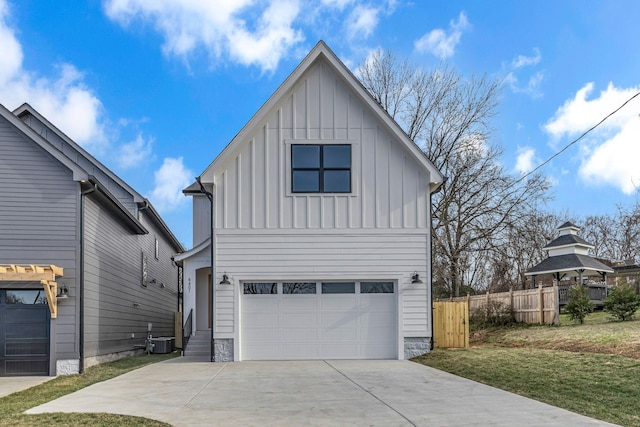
(162, 345)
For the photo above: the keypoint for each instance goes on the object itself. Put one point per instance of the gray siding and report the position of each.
(117, 305)
(201, 219)
(81, 160)
(39, 222)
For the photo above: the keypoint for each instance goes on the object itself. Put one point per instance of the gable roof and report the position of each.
(322, 51)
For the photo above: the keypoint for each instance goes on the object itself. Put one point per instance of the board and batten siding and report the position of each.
(390, 189)
(117, 304)
(379, 230)
(39, 205)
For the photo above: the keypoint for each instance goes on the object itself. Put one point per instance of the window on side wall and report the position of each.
(317, 168)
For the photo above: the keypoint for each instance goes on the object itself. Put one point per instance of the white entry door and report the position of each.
(324, 320)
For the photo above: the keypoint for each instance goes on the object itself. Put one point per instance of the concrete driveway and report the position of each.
(185, 392)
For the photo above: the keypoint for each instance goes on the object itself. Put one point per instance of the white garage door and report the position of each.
(330, 320)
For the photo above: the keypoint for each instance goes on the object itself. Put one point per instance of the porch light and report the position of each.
(63, 292)
(225, 280)
(415, 279)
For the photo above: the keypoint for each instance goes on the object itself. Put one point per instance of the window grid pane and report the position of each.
(321, 168)
(299, 288)
(376, 287)
(339, 288)
(260, 288)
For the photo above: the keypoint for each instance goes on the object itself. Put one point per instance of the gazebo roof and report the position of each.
(568, 239)
(569, 264)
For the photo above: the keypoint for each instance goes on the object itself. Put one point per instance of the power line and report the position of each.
(577, 139)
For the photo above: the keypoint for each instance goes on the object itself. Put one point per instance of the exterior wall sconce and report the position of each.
(225, 280)
(63, 292)
(415, 279)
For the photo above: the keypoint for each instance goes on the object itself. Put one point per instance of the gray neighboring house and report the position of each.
(106, 248)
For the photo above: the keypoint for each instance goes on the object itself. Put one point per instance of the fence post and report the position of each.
(556, 299)
(540, 304)
(487, 300)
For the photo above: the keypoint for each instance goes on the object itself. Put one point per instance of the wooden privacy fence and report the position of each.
(529, 306)
(451, 324)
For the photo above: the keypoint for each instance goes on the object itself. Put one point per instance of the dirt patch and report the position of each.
(631, 350)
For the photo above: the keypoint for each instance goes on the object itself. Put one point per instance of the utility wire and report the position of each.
(577, 139)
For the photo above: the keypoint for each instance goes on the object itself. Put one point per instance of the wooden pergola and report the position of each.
(46, 275)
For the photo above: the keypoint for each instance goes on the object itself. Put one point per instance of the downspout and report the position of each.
(83, 193)
(212, 284)
(432, 343)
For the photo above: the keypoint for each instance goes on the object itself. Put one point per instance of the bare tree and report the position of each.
(449, 117)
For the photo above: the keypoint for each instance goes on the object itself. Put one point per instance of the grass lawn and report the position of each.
(591, 369)
(12, 406)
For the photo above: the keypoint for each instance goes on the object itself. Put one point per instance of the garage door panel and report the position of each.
(258, 320)
(376, 302)
(27, 331)
(299, 335)
(338, 350)
(261, 303)
(338, 319)
(300, 319)
(378, 351)
(378, 334)
(379, 318)
(337, 302)
(299, 302)
(266, 351)
(296, 351)
(260, 335)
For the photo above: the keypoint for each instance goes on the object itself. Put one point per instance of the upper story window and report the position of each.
(319, 168)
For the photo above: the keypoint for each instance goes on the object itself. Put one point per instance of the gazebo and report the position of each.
(569, 257)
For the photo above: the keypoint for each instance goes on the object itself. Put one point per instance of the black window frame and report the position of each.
(321, 169)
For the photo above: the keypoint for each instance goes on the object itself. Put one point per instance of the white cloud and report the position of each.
(220, 27)
(169, 181)
(64, 99)
(136, 152)
(337, 4)
(527, 61)
(608, 154)
(525, 160)
(440, 42)
(516, 68)
(362, 21)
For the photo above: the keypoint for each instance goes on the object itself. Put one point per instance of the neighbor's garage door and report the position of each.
(332, 320)
(24, 333)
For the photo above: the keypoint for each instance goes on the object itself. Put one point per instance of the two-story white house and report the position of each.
(319, 241)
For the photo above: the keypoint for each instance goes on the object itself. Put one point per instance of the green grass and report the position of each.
(12, 406)
(591, 369)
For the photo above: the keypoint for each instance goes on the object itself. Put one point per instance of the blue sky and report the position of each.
(155, 90)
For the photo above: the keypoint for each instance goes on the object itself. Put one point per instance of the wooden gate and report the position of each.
(451, 324)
